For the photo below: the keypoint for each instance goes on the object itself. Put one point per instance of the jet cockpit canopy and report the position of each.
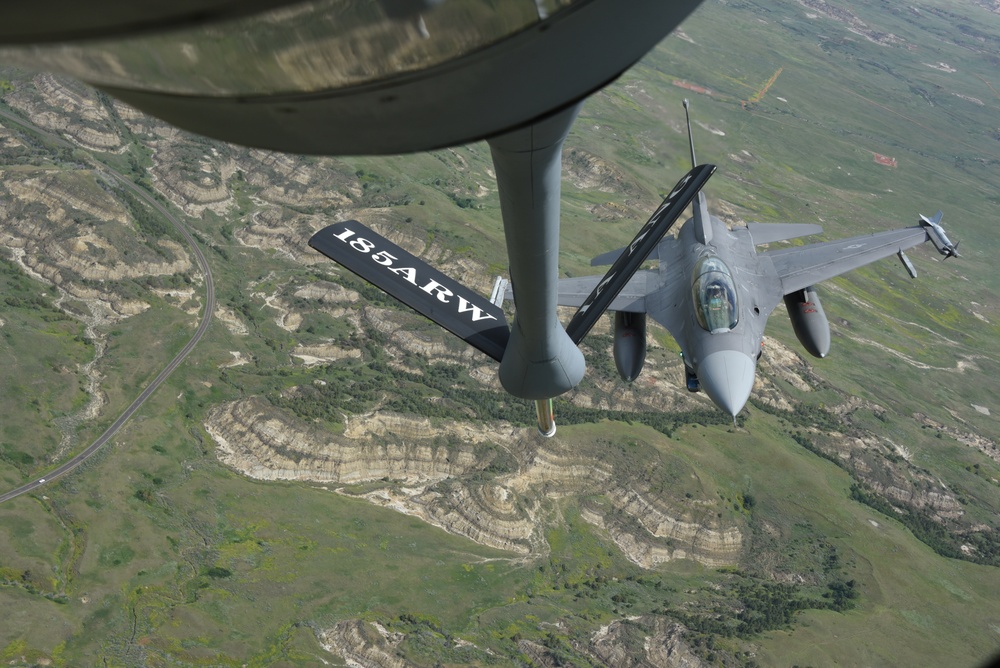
(715, 302)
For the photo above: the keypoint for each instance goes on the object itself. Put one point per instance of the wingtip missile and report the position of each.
(937, 235)
(934, 220)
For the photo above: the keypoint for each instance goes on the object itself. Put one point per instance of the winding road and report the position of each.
(206, 320)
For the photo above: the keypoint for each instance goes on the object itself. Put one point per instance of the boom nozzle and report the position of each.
(546, 417)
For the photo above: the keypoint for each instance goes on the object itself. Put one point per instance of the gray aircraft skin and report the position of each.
(713, 291)
(333, 77)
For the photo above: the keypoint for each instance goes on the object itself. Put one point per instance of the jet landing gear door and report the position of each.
(453, 306)
(636, 252)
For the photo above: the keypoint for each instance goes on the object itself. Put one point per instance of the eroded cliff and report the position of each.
(494, 483)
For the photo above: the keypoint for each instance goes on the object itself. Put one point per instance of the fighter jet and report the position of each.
(713, 291)
(327, 77)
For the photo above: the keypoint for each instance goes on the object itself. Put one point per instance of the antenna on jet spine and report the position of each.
(687, 116)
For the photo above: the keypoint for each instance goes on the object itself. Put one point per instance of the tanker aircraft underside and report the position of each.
(712, 291)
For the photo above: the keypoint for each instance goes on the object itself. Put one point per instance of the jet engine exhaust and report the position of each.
(546, 417)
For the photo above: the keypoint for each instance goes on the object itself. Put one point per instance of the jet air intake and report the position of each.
(630, 344)
(809, 321)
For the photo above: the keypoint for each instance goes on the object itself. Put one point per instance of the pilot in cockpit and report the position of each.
(716, 298)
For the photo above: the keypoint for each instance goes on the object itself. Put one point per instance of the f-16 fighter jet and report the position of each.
(714, 292)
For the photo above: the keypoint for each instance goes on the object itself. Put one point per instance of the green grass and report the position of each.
(39, 386)
(896, 573)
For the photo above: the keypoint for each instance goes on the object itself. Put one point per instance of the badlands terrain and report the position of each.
(329, 479)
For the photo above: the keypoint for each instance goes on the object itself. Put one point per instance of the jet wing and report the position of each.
(632, 298)
(803, 266)
(766, 233)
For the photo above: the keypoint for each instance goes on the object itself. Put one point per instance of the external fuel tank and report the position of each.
(630, 344)
(809, 321)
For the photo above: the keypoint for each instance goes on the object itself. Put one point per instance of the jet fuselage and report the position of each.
(707, 299)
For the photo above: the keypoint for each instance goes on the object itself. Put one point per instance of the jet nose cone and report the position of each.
(727, 378)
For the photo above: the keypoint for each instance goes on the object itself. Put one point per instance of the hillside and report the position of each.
(329, 478)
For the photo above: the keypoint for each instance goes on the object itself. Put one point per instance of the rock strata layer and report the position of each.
(369, 645)
(493, 483)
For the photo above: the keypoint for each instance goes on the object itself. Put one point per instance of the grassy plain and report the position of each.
(37, 389)
(911, 607)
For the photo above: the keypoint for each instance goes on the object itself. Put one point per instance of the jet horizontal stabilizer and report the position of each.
(412, 281)
(635, 253)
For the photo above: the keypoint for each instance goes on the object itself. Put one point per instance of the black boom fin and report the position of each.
(633, 255)
(453, 306)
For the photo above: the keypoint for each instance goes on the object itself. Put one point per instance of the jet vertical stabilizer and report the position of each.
(702, 219)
